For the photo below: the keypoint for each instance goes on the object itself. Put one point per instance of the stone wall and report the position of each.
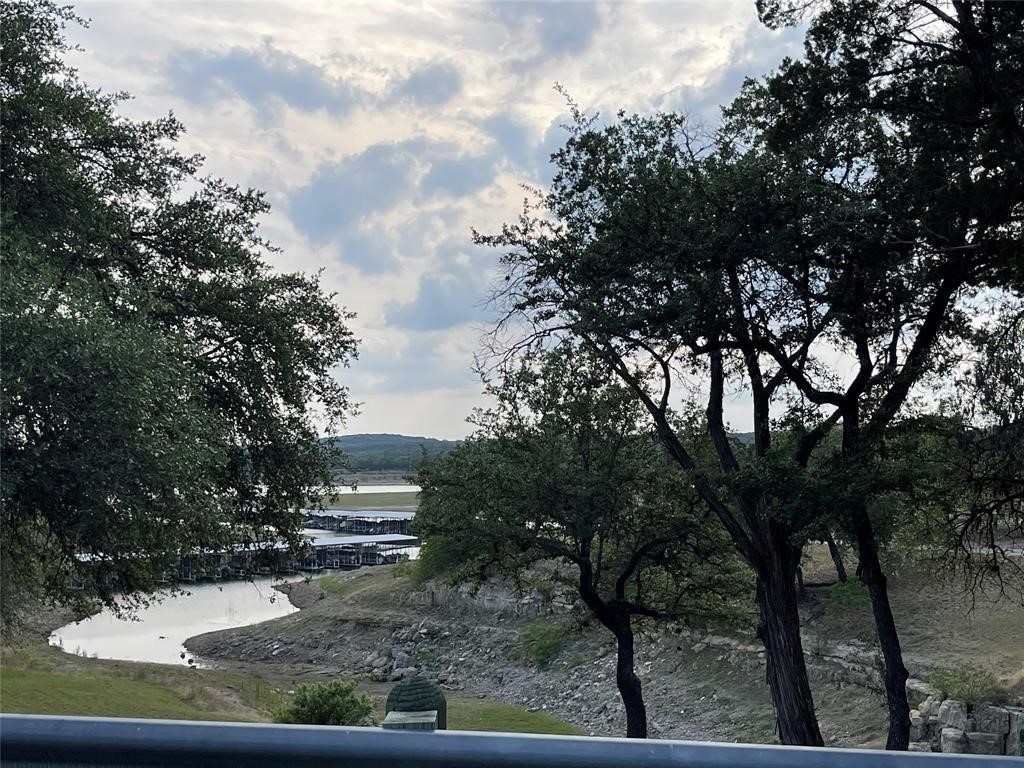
(947, 725)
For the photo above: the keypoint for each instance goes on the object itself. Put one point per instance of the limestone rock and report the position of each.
(953, 740)
(953, 713)
(402, 659)
(916, 725)
(400, 673)
(929, 706)
(1015, 732)
(979, 743)
(919, 690)
(919, 746)
(992, 720)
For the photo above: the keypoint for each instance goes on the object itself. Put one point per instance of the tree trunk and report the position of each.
(895, 671)
(779, 630)
(619, 622)
(628, 683)
(837, 557)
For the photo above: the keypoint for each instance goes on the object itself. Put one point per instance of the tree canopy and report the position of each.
(822, 252)
(163, 386)
(564, 469)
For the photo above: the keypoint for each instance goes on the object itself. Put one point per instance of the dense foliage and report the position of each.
(159, 378)
(823, 253)
(334, 703)
(388, 453)
(564, 469)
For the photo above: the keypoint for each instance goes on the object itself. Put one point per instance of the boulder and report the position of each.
(380, 662)
(952, 740)
(919, 746)
(953, 713)
(1015, 732)
(992, 720)
(919, 690)
(400, 673)
(929, 706)
(980, 743)
(402, 659)
(916, 725)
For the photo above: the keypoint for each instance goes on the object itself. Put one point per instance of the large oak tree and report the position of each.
(160, 380)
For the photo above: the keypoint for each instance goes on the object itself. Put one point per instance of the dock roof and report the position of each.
(362, 514)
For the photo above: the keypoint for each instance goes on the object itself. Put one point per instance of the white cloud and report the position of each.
(299, 96)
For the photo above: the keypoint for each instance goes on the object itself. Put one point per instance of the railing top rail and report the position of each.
(31, 740)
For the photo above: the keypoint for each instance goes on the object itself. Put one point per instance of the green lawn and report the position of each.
(45, 681)
(41, 692)
(370, 500)
(40, 679)
(466, 714)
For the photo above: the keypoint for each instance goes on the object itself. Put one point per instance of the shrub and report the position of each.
(970, 684)
(543, 642)
(845, 596)
(333, 703)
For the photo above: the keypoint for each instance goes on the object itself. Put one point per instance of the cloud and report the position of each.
(431, 86)
(371, 252)
(419, 365)
(561, 27)
(512, 138)
(452, 294)
(342, 194)
(754, 54)
(265, 77)
(459, 176)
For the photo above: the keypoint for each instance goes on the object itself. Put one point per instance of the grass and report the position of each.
(55, 693)
(466, 714)
(543, 642)
(42, 680)
(370, 500)
(343, 585)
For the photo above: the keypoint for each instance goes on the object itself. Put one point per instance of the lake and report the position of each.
(159, 631)
(378, 489)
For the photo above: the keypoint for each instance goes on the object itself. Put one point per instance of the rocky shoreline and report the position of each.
(697, 685)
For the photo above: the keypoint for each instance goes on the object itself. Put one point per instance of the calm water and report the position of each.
(379, 489)
(159, 631)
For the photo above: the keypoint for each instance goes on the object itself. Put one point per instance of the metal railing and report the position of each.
(36, 740)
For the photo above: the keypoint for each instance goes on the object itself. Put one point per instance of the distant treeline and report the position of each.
(403, 453)
(395, 453)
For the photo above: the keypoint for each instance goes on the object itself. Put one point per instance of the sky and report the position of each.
(382, 133)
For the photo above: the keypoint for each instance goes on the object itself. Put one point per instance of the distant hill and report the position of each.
(389, 453)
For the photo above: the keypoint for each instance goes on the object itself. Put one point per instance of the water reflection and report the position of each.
(378, 489)
(159, 631)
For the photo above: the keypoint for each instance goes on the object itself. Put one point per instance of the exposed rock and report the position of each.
(1015, 732)
(953, 740)
(979, 743)
(919, 690)
(919, 746)
(402, 659)
(953, 713)
(916, 725)
(992, 720)
(400, 673)
(380, 662)
(929, 706)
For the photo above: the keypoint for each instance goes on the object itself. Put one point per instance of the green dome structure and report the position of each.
(417, 694)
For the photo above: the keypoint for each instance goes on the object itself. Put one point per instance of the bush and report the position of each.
(846, 596)
(333, 703)
(543, 642)
(970, 684)
(438, 557)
